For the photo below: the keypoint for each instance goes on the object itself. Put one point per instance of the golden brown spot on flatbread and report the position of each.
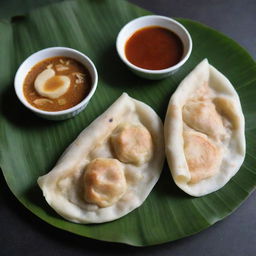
(104, 182)
(203, 157)
(132, 144)
(202, 116)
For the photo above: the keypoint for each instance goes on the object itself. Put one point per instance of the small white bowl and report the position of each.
(32, 60)
(154, 20)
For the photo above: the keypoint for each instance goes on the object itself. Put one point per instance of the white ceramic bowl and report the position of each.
(32, 60)
(154, 20)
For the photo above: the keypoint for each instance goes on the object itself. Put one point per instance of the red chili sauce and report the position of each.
(154, 48)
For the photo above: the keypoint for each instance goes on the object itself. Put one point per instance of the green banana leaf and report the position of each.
(30, 146)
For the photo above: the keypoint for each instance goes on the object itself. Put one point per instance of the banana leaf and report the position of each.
(30, 146)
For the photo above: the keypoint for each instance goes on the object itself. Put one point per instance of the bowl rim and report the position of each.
(22, 98)
(152, 71)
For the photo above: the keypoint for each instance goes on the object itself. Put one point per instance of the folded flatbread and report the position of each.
(204, 131)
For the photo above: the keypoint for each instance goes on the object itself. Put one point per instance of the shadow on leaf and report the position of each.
(13, 110)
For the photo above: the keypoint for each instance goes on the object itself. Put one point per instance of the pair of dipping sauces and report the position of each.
(154, 48)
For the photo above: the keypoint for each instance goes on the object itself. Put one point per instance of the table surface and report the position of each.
(25, 234)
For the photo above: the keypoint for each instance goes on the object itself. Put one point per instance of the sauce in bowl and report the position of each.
(52, 96)
(154, 48)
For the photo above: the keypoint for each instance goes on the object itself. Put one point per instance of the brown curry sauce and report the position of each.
(80, 84)
(154, 48)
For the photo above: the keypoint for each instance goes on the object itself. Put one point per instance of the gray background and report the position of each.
(24, 234)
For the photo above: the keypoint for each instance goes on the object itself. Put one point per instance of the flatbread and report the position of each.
(204, 131)
(63, 187)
